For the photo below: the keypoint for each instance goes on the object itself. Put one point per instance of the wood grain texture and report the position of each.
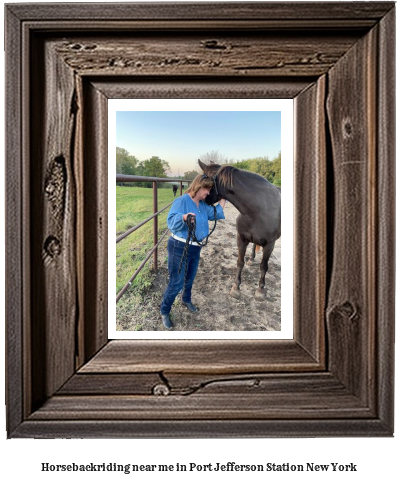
(208, 11)
(15, 259)
(196, 87)
(241, 54)
(95, 201)
(209, 407)
(54, 272)
(309, 204)
(385, 245)
(200, 356)
(192, 428)
(310, 230)
(185, 384)
(351, 307)
(335, 377)
(113, 384)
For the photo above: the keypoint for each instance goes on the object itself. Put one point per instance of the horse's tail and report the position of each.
(257, 248)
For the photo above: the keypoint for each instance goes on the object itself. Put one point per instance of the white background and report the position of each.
(286, 108)
(376, 459)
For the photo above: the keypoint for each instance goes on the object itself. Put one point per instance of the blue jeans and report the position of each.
(176, 280)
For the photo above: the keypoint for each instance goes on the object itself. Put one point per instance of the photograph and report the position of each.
(199, 243)
(198, 217)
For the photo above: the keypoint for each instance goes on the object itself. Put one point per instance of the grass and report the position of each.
(133, 205)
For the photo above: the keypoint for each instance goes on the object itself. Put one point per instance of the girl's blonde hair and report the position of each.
(200, 181)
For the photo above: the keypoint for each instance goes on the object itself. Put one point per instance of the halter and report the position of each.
(214, 178)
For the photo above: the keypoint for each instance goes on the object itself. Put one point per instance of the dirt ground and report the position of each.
(218, 311)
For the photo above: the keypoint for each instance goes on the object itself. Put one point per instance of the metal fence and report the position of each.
(122, 178)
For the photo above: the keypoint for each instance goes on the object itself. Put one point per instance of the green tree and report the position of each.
(190, 174)
(125, 163)
(269, 169)
(154, 167)
(277, 170)
(242, 165)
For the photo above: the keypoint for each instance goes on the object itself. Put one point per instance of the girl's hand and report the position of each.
(222, 202)
(185, 216)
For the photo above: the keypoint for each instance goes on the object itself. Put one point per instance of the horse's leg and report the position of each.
(252, 258)
(260, 294)
(242, 245)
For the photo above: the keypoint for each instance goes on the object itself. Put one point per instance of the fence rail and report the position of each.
(122, 178)
(133, 229)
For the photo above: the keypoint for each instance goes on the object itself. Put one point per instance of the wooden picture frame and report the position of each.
(335, 378)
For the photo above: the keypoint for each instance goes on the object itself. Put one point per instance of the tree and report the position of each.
(269, 169)
(277, 170)
(154, 167)
(214, 156)
(125, 163)
(190, 174)
(242, 165)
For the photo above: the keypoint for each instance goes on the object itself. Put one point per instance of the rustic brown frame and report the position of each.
(336, 376)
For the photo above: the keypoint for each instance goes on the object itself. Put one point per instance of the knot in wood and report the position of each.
(55, 182)
(90, 47)
(213, 44)
(347, 128)
(161, 390)
(52, 246)
(50, 189)
(349, 310)
(346, 310)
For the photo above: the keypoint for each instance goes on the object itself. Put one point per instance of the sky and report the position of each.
(182, 137)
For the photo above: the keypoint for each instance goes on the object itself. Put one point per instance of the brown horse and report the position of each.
(259, 221)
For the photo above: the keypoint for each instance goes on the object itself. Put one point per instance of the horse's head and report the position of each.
(210, 171)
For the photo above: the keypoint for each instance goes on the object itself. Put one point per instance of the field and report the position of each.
(133, 205)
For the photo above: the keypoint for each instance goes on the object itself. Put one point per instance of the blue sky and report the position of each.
(181, 137)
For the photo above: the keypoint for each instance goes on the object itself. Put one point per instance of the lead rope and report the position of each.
(191, 223)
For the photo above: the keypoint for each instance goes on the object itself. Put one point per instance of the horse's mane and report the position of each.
(225, 175)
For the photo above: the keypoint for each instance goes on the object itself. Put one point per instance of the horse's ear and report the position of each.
(203, 166)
